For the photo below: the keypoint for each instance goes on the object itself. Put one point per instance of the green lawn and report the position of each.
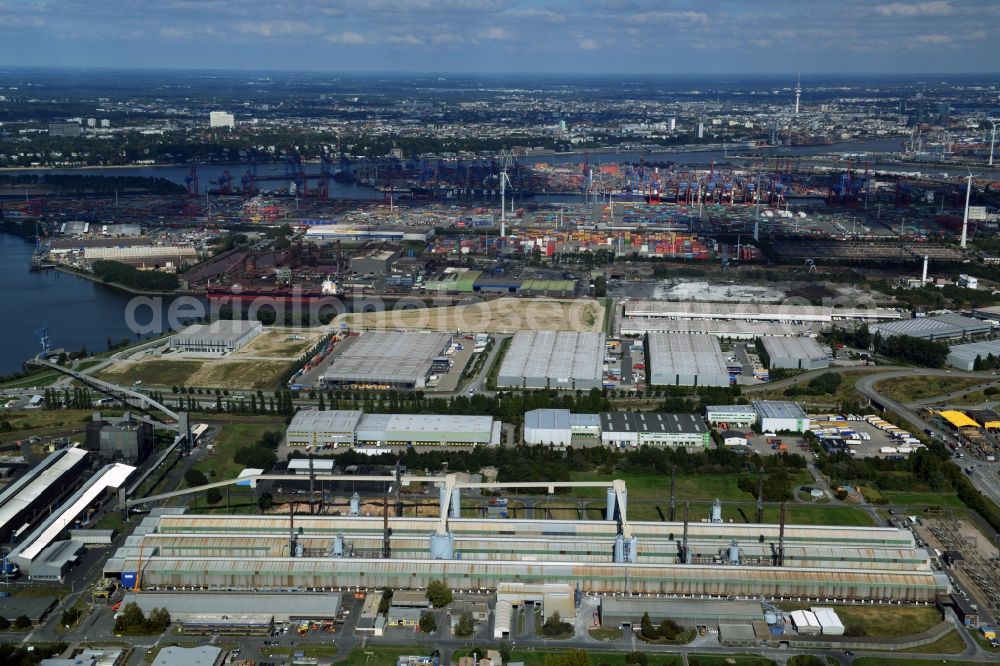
(882, 621)
(232, 437)
(950, 643)
(657, 486)
(728, 660)
(921, 500)
(42, 378)
(908, 389)
(537, 658)
(606, 634)
(377, 656)
(896, 661)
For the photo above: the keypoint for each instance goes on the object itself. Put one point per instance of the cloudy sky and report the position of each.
(580, 36)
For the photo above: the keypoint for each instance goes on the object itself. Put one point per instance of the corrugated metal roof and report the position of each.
(26, 490)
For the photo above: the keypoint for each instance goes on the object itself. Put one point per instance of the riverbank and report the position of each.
(69, 270)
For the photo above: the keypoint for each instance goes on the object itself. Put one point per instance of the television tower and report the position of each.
(798, 93)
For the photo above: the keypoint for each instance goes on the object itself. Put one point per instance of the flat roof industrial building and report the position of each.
(941, 327)
(560, 428)
(720, 328)
(634, 429)
(964, 357)
(554, 359)
(679, 359)
(793, 353)
(37, 553)
(220, 608)
(32, 493)
(224, 335)
(781, 416)
(347, 428)
(427, 430)
(251, 553)
(639, 308)
(390, 359)
(328, 427)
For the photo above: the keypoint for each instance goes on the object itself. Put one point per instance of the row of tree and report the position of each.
(129, 276)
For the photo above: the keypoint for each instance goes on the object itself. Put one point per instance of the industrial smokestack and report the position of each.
(923, 278)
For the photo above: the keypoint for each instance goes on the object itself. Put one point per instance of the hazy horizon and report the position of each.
(612, 37)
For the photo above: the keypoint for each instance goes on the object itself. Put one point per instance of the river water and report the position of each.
(77, 312)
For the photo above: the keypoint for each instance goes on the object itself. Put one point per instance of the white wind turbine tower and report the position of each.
(993, 138)
(506, 159)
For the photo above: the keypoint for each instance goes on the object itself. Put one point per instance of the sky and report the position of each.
(511, 36)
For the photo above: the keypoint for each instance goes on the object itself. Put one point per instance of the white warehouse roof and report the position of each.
(793, 348)
(557, 355)
(687, 356)
(19, 495)
(327, 420)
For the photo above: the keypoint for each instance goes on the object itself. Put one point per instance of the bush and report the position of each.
(635, 657)
(213, 496)
(22, 622)
(195, 477)
(255, 455)
(70, 616)
(4, 623)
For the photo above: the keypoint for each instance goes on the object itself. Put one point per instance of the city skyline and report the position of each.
(486, 36)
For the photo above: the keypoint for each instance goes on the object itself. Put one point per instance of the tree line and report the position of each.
(129, 276)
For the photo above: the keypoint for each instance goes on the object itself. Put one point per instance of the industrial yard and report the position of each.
(502, 315)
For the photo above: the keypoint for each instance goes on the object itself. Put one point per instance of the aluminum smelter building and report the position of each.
(676, 558)
(551, 359)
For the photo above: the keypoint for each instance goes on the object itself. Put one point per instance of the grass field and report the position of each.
(42, 378)
(944, 500)
(728, 660)
(378, 656)
(557, 510)
(656, 486)
(951, 643)
(897, 661)
(908, 389)
(151, 373)
(208, 374)
(537, 658)
(502, 315)
(845, 391)
(233, 436)
(881, 621)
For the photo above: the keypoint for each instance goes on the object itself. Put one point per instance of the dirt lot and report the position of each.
(222, 373)
(281, 344)
(503, 315)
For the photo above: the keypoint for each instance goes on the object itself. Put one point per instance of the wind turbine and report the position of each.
(993, 138)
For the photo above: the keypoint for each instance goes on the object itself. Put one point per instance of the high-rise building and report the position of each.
(221, 119)
(701, 130)
(672, 124)
(91, 122)
(105, 123)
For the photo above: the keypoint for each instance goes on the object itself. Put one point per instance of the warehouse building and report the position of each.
(634, 429)
(348, 232)
(642, 308)
(780, 416)
(792, 353)
(224, 335)
(559, 427)
(733, 415)
(720, 328)
(554, 359)
(329, 427)
(338, 428)
(389, 359)
(251, 553)
(677, 359)
(376, 262)
(964, 356)
(941, 327)
(626, 612)
(234, 609)
(40, 553)
(396, 430)
(119, 438)
(31, 494)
